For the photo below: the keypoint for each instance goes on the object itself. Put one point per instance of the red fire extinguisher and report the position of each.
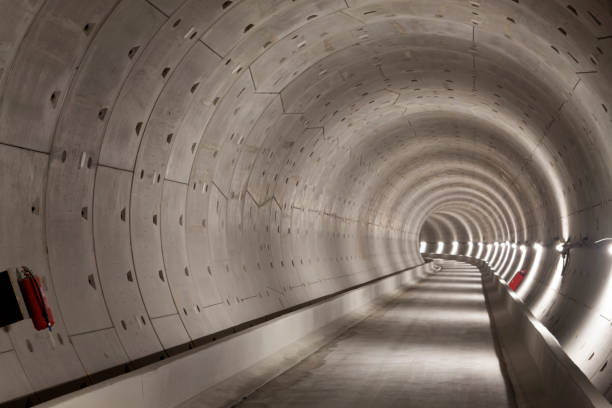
(35, 300)
(518, 278)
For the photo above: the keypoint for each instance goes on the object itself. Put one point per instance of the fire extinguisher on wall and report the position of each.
(517, 279)
(35, 299)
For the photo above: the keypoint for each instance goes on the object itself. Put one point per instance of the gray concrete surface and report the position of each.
(235, 365)
(172, 169)
(430, 347)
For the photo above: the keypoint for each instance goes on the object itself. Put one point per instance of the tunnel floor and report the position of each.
(431, 346)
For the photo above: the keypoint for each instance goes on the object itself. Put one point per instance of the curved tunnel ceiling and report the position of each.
(175, 168)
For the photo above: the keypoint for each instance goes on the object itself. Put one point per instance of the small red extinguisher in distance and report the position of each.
(35, 299)
(518, 278)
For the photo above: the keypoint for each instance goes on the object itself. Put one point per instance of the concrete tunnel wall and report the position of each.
(172, 168)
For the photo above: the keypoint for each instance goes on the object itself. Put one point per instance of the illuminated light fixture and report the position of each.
(496, 254)
(480, 248)
(470, 248)
(610, 249)
(440, 247)
(523, 250)
(489, 247)
(510, 262)
(503, 258)
(423, 247)
(548, 295)
(454, 248)
(533, 270)
(554, 284)
(495, 251)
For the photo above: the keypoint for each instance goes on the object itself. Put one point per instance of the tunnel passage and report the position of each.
(174, 168)
(430, 346)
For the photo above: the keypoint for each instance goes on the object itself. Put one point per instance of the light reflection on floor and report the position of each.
(430, 347)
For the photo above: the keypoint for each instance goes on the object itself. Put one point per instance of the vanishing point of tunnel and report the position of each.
(306, 203)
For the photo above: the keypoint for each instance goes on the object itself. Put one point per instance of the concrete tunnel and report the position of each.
(250, 202)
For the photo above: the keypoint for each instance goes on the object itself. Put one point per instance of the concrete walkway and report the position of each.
(431, 347)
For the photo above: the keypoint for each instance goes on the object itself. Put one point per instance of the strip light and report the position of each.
(470, 248)
(480, 248)
(489, 247)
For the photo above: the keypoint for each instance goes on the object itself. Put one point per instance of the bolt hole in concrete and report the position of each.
(133, 51)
